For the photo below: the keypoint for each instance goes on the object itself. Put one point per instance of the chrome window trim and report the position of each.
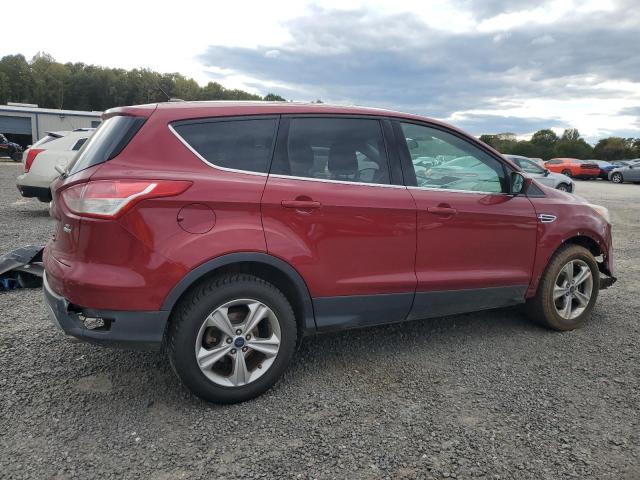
(342, 182)
(477, 192)
(212, 165)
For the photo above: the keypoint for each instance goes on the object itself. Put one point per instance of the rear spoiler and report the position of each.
(56, 134)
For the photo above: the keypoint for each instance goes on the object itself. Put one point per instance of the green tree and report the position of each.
(272, 97)
(617, 148)
(572, 145)
(544, 141)
(79, 86)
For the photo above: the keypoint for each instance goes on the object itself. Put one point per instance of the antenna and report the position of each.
(165, 93)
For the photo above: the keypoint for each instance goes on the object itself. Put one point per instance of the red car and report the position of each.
(226, 232)
(572, 167)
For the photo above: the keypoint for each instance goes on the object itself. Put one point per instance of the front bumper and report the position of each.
(126, 329)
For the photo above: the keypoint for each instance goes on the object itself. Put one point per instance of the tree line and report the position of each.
(78, 86)
(546, 144)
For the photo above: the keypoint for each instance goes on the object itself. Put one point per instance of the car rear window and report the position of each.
(79, 144)
(106, 142)
(242, 144)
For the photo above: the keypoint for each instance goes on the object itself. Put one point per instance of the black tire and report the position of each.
(541, 308)
(16, 156)
(189, 315)
(563, 187)
(617, 177)
(566, 172)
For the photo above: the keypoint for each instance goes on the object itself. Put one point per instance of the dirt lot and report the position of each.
(485, 395)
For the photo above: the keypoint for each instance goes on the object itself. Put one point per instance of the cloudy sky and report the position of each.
(487, 66)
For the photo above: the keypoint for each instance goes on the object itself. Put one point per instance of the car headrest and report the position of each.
(342, 160)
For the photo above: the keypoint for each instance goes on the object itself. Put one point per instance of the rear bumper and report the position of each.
(31, 192)
(125, 329)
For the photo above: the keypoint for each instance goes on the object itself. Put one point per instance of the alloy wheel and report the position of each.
(572, 289)
(238, 342)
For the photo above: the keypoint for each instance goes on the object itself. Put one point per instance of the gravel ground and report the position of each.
(484, 395)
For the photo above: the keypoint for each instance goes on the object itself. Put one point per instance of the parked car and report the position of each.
(10, 149)
(541, 174)
(628, 173)
(572, 167)
(54, 150)
(605, 168)
(226, 232)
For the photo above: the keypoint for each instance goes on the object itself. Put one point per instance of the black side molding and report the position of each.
(453, 302)
(354, 311)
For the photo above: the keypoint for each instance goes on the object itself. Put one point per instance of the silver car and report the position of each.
(541, 174)
(628, 173)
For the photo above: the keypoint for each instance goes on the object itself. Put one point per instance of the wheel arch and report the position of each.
(269, 268)
(584, 239)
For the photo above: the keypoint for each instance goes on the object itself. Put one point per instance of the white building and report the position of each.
(25, 123)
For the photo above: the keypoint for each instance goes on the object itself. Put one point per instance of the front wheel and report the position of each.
(231, 338)
(566, 172)
(617, 178)
(16, 156)
(563, 187)
(567, 291)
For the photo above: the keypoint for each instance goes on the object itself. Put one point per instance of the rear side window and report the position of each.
(244, 144)
(106, 142)
(344, 149)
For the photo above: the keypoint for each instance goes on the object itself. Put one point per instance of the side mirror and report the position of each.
(519, 183)
(546, 172)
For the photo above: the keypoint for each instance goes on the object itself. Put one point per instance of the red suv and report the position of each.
(572, 167)
(226, 232)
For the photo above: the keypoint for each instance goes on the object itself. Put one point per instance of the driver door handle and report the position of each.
(301, 204)
(442, 210)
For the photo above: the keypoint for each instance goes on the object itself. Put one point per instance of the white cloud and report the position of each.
(543, 40)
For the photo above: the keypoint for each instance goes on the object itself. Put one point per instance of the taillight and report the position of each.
(31, 156)
(112, 198)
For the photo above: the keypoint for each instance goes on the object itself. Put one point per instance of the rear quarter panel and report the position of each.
(151, 243)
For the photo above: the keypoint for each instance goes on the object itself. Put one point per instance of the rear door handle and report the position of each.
(442, 210)
(301, 204)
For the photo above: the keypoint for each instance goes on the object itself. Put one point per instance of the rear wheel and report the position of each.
(566, 172)
(232, 338)
(567, 291)
(617, 178)
(16, 156)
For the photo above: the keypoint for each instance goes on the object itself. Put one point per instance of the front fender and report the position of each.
(574, 224)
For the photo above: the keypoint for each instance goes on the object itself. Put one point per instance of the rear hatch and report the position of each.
(111, 137)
